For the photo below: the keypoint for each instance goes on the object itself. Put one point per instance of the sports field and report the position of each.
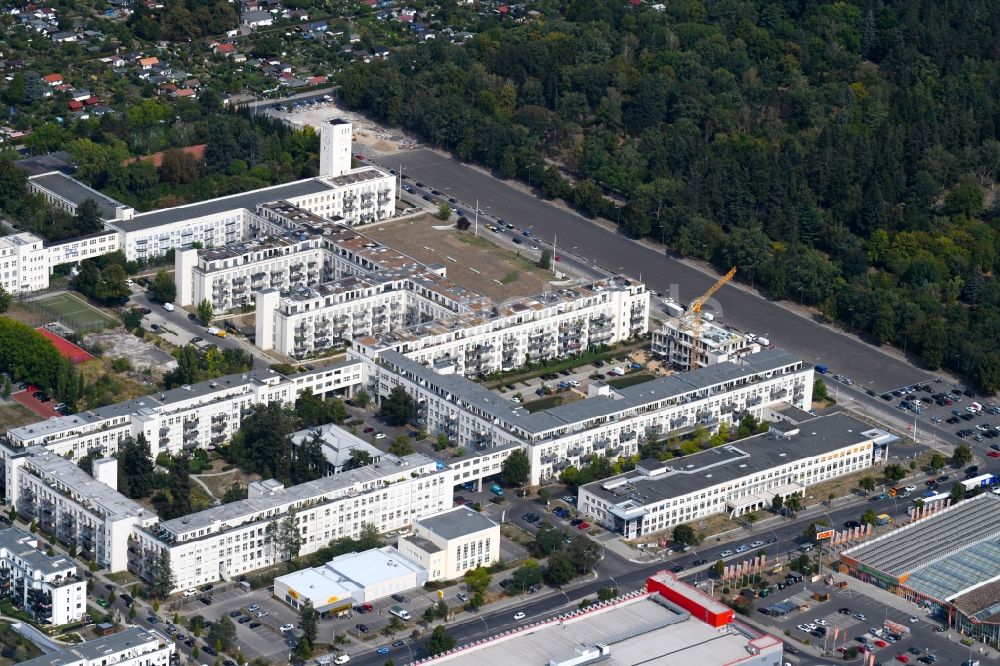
(71, 311)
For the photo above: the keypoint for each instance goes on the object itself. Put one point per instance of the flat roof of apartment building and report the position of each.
(353, 482)
(138, 405)
(76, 192)
(99, 649)
(19, 543)
(91, 493)
(489, 403)
(245, 200)
(654, 481)
(456, 522)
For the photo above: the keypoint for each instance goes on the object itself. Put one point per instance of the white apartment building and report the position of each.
(452, 542)
(352, 195)
(610, 422)
(736, 478)
(133, 646)
(49, 588)
(66, 194)
(84, 247)
(231, 539)
(24, 263)
(188, 417)
(68, 502)
(674, 343)
(228, 276)
(550, 325)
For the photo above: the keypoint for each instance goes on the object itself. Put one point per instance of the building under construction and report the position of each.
(675, 342)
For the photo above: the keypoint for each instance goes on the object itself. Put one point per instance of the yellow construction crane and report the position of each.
(696, 311)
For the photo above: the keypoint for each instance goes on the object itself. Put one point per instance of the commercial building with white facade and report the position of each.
(133, 646)
(71, 504)
(49, 588)
(24, 265)
(350, 579)
(673, 342)
(452, 542)
(736, 478)
(232, 539)
(610, 422)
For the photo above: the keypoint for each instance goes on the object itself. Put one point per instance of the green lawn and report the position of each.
(74, 312)
(15, 415)
(630, 380)
(545, 403)
(22, 647)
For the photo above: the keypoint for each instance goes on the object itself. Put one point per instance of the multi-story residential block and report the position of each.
(674, 343)
(66, 194)
(74, 250)
(735, 478)
(501, 337)
(232, 539)
(188, 417)
(228, 276)
(24, 263)
(49, 588)
(610, 422)
(133, 646)
(71, 504)
(452, 542)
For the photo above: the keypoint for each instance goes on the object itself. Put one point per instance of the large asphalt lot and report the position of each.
(811, 340)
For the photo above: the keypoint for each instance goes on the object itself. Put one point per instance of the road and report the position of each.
(741, 308)
(178, 322)
(786, 535)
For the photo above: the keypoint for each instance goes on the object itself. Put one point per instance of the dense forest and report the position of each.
(838, 154)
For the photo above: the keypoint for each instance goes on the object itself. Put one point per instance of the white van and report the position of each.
(169, 307)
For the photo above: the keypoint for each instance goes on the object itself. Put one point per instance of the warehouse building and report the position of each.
(948, 563)
(670, 623)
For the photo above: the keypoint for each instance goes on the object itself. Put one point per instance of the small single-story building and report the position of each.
(350, 579)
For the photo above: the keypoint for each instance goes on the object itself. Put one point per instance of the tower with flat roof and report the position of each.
(335, 147)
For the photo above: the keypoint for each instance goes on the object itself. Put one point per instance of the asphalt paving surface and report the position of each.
(591, 243)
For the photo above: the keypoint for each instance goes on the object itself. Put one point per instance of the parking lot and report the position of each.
(851, 619)
(954, 410)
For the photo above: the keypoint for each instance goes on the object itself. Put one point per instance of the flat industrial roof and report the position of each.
(73, 190)
(101, 648)
(244, 200)
(456, 522)
(722, 464)
(639, 630)
(348, 573)
(944, 556)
